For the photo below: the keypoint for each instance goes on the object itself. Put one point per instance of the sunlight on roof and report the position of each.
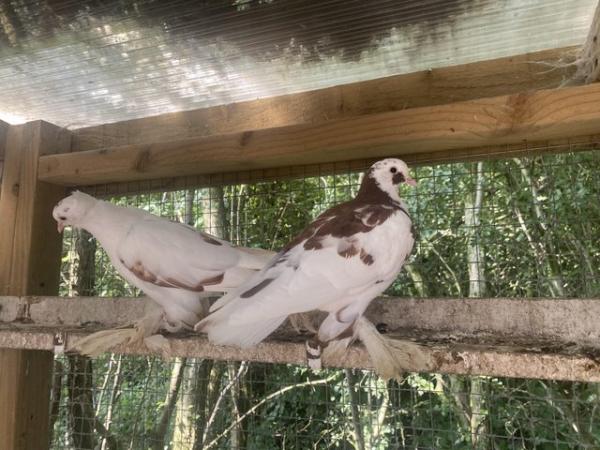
(12, 119)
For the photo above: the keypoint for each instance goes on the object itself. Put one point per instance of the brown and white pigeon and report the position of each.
(170, 262)
(344, 259)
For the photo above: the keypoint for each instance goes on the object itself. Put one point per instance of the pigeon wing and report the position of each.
(324, 264)
(171, 254)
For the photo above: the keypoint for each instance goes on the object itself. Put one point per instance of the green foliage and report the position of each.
(540, 235)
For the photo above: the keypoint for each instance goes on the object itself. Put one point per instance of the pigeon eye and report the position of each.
(393, 170)
(62, 218)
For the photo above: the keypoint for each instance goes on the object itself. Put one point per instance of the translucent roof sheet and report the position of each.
(78, 63)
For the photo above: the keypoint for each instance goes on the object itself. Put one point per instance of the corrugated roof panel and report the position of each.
(78, 63)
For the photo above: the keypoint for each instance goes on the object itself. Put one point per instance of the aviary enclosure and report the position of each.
(503, 288)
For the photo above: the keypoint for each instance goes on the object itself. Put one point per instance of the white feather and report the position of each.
(168, 261)
(347, 257)
(246, 335)
(314, 279)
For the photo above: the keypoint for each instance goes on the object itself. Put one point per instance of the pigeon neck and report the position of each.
(96, 221)
(371, 193)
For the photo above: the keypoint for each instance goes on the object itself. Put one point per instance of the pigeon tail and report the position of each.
(392, 357)
(243, 336)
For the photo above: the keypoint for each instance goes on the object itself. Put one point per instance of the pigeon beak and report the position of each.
(60, 226)
(410, 181)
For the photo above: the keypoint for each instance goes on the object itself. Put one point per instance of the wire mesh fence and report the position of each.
(143, 403)
(518, 227)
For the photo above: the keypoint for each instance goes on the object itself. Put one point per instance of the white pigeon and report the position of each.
(170, 262)
(344, 259)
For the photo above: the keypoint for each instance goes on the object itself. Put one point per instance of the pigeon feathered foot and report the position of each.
(144, 330)
(391, 358)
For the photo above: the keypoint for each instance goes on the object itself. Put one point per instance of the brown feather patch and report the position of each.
(198, 287)
(349, 252)
(143, 274)
(366, 258)
(371, 207)
(139, 271)
(313, 244)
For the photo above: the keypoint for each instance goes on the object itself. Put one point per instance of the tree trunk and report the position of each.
(468, 396)
(359, 437)
(190, 407)
(55, 394)
(194, 404)
(161, 428)
(417, 279)
(477, 289)
(475, 252)
(237, 433)
(80, 384)
(212, 394)
(553, 272)
(114, 395)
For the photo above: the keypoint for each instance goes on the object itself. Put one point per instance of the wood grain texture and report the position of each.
(470, 126)
(3, 134)
(563, 321)
(530, 338)
(24, 387)
(539, 70)
(30, 251)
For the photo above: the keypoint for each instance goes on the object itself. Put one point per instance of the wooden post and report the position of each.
(3, 131)
(30, 249)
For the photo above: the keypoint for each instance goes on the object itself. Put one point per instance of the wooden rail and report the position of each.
(471, 125)
(550, 339)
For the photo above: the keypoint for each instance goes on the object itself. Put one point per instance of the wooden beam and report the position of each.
(470, 126)
(3, 134)
(527, 148)
(532, 338)
(538, 70)
(30, 251)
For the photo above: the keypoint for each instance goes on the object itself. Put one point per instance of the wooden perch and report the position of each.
(550, 339)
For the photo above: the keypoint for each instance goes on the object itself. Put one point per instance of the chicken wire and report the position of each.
(513, 227)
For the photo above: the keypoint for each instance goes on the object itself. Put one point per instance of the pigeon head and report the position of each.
(72, 210)
(386, 175)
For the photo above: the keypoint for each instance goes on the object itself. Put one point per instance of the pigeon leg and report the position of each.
(314, 349)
